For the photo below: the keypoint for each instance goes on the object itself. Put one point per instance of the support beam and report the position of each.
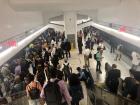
(70, 27)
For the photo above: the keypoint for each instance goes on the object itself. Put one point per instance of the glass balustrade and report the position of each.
(127, 29)
(12, 41)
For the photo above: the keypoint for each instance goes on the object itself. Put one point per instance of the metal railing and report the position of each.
(15, 99)
(128, 29)
(112, 99)
(8, 42)
(104, 97)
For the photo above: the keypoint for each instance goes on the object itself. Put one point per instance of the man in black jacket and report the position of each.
(112, 80)
(128, 83)
(80, 44)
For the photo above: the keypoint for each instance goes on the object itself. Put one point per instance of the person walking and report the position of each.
(75, 89)
(33, 90)
(80, 44)
(98, 57)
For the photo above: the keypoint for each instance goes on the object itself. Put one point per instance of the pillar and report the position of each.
(70, 27)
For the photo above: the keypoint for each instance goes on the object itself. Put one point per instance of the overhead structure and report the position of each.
(70, 26)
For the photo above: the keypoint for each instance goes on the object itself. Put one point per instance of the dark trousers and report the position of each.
(112, 49)
(68, 54)
(98, 66)
(66, 77)
(80, 50)
(75, 103)
(113, 87)
(118, 57)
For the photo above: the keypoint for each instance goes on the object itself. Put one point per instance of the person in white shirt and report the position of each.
(59, 43)
(135, 60)
(101, 46)
(118, 52)
(86, 56)
(53, 42)
(53, 51)
(135, 65)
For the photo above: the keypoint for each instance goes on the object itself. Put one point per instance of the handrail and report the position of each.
(56, 24)
(129, 29)
(117, 96)
(18, 35)
(119, 25)
(105, 91)
(85, 22)
(13, 40)
(9, 100)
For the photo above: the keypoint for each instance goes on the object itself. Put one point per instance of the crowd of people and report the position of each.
(39, 70)
(130, 86)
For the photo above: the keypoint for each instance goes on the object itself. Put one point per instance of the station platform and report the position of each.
(77, 60)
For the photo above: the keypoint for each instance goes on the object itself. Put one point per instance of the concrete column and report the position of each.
(45, 19)
(70, 27)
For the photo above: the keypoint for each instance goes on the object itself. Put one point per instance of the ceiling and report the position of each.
(54, 9)
(61, 5)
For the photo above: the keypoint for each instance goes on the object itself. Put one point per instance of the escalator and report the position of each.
(101, 96)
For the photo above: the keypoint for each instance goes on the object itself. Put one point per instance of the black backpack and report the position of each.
(76, 92)
(52, 93)
(66, 69)
(34, 92)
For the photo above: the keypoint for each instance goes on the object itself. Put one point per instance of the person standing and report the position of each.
(67, 70)
(135, 60)
(66, 99)
(112, 45)
(113, 80)
(53, 86)
(128, 83)
(92, 42)
(67, 48)
(118, 52)
(98, 60)
(80, 43)
(75, 89)
(88, 43)
(86, 56)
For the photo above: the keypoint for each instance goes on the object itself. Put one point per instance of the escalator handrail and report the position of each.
(119, 96)
(18, 35)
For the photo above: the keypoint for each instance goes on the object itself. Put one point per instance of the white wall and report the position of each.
(127, 13)
(13, 23)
